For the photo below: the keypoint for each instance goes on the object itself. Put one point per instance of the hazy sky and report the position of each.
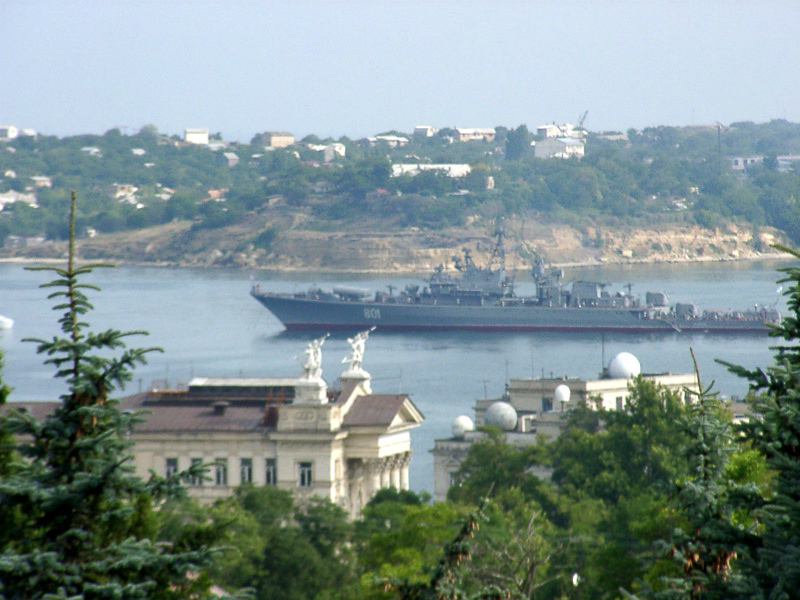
(359, 68)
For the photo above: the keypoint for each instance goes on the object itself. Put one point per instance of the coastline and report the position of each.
(29, 261)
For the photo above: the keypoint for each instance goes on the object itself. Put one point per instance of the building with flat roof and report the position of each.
(467, 134)
(196, 136)
(532, 408)
(563, 147)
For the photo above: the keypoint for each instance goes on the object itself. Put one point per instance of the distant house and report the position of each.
(231, 158)
(393, 141)
(559, 148)
(470, 134)
(8, 132)
(92, 151)
(740, 163)
(425, 131)
(124, 192)
(217, 145)
(42, 181)
(451, 170)
(785, 162)
(567, 130)
(18, 241)
(274, 139)
(11, 197)
(138, 151)
(196, 136)
(333, 150)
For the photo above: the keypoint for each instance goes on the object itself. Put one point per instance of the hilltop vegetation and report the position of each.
(662, 176)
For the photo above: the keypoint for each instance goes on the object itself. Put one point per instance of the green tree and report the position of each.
(772, 565)
(282, 550)
(89, 526)
(710, 534)
(518, 142)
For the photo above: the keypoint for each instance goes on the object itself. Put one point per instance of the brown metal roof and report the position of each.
(375, 410)
(175, 416)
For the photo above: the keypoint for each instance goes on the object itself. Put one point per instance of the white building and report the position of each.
(11, 197)
(563, 147)
(8, 132)
(425, 131)
(333, 150)
(196, 136)
(469, 134)
(42, 181)
(537, 407)
(567, 130)
(740, 163)
(393, 141)
(452, 170)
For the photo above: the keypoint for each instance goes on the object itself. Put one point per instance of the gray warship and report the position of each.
(482, 298)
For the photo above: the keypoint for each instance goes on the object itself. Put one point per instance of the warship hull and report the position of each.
(299, 312)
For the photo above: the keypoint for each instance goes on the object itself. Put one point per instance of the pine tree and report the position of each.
(773, 568)
(710, 538)
(86, 523)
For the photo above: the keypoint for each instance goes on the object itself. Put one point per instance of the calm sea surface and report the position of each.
(208, 325)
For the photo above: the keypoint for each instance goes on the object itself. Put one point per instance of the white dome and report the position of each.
(561, 393)
(624, 366)
(461, 425)
(502, 415)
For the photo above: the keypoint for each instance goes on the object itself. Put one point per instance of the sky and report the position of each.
(358, 68)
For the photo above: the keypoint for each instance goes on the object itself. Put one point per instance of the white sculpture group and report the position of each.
(311, 359)
(356, 356)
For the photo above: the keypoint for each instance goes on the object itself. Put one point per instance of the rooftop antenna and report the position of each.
(602, 350)
(533, 372)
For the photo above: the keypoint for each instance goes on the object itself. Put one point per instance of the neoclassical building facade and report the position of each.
(293, 433)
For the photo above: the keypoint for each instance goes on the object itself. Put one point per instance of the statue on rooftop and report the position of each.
(357, 344)
(311, 359)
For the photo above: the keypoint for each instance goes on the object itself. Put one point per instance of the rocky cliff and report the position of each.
(367, 249)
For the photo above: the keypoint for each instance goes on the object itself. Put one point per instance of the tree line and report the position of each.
(663, 174)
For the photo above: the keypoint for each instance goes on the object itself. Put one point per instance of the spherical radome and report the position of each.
(561, 393)
(461, 425)
(502, 415)
(624, 366)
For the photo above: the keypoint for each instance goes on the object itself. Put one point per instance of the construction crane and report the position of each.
(582, 119)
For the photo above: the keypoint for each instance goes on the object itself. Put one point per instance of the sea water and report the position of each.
(206, 324)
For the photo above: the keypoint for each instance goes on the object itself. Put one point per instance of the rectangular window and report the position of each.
(246, 471)
(305, 475)
(455, 479)
(196, 480)
(221, 472)
(620, 403)
(271, 472)
(547, 404)
(172, 467)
